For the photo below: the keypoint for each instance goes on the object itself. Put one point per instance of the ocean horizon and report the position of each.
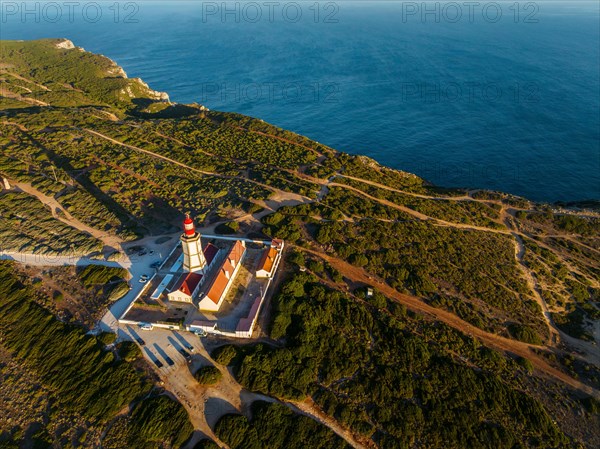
(500, 98)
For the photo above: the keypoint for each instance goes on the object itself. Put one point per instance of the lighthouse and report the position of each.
(193, 256)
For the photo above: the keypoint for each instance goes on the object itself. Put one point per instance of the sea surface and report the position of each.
(503, 96)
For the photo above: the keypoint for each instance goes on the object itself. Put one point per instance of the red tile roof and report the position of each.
(210, 251)
(236, 251)
(220, 280)
(267, 259)
(188, 283)
(245, 324)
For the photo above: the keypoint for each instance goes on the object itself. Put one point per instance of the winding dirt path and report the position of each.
(416, 195)
(281, 194)
(359, 275)
(207, 404)
(592, 352)
(534, 287)
(419, 215)
(64, 216)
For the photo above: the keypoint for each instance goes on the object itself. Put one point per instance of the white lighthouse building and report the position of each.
(193, 256)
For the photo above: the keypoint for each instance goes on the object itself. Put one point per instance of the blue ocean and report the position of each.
(497, 95)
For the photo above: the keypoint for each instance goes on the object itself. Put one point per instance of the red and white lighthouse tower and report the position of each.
(193, 256)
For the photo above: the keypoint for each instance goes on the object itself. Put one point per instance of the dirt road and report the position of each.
(283, 195)
(356, 274)
(55, 207)
(206, 404)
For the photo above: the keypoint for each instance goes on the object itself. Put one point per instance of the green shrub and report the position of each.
(525, 363)
(592, 405)
(275, 426)
(99, 275)
(524, 333)
(206, 444)
(572, 323)
(107, 338)
(360, 260)
(161, 421)
(297, 258)
(225, 354)
(116, 290)
(208, 375)
(129, 351)
(230, 227)
(316, 266)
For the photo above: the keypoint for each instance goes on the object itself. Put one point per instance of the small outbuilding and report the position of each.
(267, 262)
(186, 288)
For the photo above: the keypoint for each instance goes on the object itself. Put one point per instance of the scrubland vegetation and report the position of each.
(568, 223)
(472, 273)
(93, 80)
(274, 426)
(389, 375)
(81, 376)
(27, 226)
(154, 423)
(464, 212)
(570, 296)
(64, 356)
(108, 281)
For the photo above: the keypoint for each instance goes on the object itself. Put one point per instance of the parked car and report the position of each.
(169, 361)
(186, 354)
(146, 326)
(201, 333)
(140, 341)
(158, 363)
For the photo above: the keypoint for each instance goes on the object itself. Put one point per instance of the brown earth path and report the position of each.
(281, 194)
(206, 404)
(282, 139)
(525, 350)
(416, 195)
(64, 216)
(419, 215)
(592, 352)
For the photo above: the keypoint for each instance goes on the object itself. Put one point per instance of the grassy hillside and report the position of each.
(53, 72)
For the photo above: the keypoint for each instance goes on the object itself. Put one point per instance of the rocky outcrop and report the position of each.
(66, 44)
(116, 70)
(155, 95)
